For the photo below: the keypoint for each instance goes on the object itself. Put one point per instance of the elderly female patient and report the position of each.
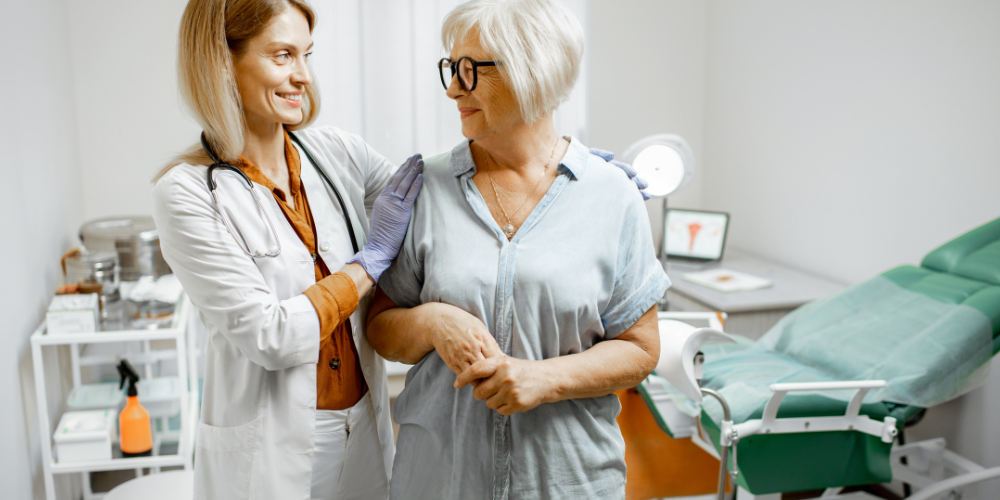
(528, 272)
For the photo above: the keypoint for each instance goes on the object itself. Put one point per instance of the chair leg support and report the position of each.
(956, 482)
(926, 466)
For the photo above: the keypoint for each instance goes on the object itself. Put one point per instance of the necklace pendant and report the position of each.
(509, 231)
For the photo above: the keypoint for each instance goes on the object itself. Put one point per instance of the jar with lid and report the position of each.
(97, 271)
(136, 241)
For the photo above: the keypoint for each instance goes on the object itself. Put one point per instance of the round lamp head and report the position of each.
(663, 160)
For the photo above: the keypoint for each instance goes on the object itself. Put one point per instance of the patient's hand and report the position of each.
(510, 385)
(460, 338)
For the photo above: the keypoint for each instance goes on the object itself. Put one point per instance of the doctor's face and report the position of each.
(272, 73)
(489, 109)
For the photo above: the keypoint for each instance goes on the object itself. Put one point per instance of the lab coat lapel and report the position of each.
(324, 209)
(290, 272)
(314, 183)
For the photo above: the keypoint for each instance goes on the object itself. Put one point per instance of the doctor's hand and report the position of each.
(609, 157)
(460, 338)
(391, 217)
(509, 385)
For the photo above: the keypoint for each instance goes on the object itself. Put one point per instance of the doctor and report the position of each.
(295, 400)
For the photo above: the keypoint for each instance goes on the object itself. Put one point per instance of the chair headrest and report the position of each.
(974, 255)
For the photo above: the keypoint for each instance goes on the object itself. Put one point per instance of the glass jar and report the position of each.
(97, 272)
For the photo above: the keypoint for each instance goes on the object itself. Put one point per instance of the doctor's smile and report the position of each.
(292, 99)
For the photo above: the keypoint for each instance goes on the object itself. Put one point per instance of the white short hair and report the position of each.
(539, 44)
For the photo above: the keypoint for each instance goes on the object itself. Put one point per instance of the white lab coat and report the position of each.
(255, 438)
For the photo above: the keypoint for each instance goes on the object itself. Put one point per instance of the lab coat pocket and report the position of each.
(224, 460)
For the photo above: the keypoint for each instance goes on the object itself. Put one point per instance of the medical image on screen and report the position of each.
(695, 234)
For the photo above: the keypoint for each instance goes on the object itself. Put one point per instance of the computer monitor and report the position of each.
(695, 235)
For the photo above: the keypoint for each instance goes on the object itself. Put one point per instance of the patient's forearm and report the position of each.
(607, 366)
(399, 334)
(601, 370)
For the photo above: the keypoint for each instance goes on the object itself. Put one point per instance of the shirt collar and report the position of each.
(294, 171)
(575, 160)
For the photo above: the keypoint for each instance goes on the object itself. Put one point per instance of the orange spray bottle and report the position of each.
(133, 421)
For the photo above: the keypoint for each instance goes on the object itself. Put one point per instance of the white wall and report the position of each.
(850, 137)
(647, 76)
(129, 112)
(41, 207)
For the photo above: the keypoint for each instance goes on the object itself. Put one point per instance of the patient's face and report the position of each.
(491, 107)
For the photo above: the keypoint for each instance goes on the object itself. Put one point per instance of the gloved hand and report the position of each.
(391, 217)
(608, 156)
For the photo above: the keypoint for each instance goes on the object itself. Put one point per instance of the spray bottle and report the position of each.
(133, 421)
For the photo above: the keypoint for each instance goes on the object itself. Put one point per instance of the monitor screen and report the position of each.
(695, 234)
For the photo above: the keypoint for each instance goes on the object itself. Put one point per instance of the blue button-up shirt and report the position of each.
(580, 270)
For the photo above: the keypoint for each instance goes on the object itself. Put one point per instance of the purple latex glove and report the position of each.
(391, 217)
(608, 156)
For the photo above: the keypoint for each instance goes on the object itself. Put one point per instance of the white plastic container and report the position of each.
(160, 396)
(76, 313)
(95, 396)
(85, 435)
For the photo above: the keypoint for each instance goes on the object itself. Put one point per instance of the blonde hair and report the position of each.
(539, 44)
(212, 34)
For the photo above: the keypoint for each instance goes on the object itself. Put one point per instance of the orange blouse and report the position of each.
(340, 383)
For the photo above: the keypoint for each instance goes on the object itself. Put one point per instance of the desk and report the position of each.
(751, 313)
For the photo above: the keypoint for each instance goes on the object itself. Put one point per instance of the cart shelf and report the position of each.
(178, 331)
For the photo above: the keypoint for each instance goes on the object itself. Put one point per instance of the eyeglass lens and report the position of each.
(466, 73)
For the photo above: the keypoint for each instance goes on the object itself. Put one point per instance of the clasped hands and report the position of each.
(507, 384)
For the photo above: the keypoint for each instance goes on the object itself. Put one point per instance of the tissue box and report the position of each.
(85, 435)
(73, 314)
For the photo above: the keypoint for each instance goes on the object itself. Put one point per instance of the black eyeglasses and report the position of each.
(467, 69)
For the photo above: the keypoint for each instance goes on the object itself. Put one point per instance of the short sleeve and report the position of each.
(404, 279)
(640, 280)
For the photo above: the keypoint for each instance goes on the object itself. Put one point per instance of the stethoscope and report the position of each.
(213, 188)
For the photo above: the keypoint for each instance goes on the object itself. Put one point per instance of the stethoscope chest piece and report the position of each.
(213, 187)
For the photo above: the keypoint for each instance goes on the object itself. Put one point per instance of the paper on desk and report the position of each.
(727, 280)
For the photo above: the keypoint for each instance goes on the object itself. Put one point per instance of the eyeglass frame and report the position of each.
(454, 71)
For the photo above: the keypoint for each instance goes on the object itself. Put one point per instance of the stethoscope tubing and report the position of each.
(213, 188)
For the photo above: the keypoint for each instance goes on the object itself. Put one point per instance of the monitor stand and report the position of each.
(691, 266)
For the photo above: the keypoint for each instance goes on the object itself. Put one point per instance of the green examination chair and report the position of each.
(817, 402)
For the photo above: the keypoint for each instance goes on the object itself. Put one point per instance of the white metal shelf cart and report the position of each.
(185, 355)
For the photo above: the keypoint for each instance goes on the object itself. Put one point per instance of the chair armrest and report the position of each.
(769, 423)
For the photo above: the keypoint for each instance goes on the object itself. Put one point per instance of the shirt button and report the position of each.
(368, 371)
(378, 410)
(334, 363)
(325, 246)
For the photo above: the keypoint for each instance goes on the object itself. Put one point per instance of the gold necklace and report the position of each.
(509, 230)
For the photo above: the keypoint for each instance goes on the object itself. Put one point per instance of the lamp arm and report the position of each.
(664, 303)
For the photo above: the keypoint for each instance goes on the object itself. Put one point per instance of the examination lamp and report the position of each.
(664, 160)
(667, 163)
